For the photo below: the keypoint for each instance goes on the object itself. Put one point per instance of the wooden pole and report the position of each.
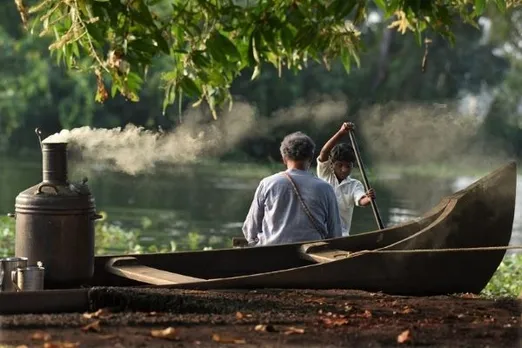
(365, 179)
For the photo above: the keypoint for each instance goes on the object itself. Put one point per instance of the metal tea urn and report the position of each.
(55, 223)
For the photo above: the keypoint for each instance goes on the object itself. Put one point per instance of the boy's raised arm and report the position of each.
(325, 151)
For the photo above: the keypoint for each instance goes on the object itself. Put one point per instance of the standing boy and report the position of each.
(334, 165)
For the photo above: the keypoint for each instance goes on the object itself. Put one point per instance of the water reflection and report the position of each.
(204, 206)
(401, 215)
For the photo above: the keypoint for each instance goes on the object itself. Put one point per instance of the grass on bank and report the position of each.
(111, 238)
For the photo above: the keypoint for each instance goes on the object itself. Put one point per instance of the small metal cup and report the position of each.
(7, 266)
(29, 278)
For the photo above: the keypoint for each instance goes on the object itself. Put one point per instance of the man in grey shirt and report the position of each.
(277, 216)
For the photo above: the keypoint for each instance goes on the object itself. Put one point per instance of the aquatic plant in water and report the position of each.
(110, 238)
(507, 280)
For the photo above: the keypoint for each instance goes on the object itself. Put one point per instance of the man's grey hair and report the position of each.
(297, 147)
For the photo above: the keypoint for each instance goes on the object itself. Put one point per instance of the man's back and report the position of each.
(278, 217)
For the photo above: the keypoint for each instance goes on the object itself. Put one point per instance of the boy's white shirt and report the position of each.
(348, 192)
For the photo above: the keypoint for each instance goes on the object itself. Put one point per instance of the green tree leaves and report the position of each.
(210, 42)
(480, 5)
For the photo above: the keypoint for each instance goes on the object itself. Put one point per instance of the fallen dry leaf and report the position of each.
(265, 328)
(315, 300)
(22, 346)
(407, 310)
(107, 337)
(168, 333)
(239, 315)
(94, 326)
(41, 336)
(469, 295)
(334, 321)
(366, 314)
(100, 313)
(404, 337)
(294, 330)
(58, 344)
(227, 339)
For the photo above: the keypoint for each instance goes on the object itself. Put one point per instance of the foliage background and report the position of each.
(482, 69)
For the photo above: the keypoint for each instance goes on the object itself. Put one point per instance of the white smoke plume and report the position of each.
(135, 150)
(409, 133)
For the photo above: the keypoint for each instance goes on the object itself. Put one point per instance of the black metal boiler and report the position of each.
(55, 223)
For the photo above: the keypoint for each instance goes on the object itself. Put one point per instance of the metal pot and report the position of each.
(55, 223)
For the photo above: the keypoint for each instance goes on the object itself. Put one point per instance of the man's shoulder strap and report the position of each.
(305, 207)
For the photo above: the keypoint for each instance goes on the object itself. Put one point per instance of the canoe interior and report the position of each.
(233, 262)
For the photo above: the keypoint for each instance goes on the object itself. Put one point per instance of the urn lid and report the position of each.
(55, 192)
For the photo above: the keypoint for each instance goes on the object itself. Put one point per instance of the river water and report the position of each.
(201, 206)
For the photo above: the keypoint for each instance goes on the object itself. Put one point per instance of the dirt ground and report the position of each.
(272, 318)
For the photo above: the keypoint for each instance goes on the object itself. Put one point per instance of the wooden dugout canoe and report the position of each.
(479, 216)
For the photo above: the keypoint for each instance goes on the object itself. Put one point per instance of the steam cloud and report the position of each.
(135, 150)
(415, 134)
(395, 133)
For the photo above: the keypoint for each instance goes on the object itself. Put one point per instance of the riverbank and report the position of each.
(270, 318)
(256, 169)
(374, 170)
